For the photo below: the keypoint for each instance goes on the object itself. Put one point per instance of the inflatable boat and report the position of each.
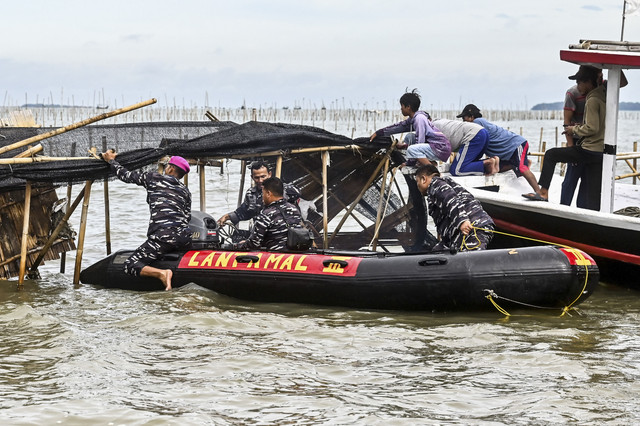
(545, 277)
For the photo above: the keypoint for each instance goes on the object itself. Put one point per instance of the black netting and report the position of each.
(136, 149)
(350, 169)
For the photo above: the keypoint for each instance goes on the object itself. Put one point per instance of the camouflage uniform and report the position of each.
(449, 205)
(170, 207)
(252, 204)
(269, 227)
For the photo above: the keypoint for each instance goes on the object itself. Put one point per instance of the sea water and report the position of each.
(85, 355)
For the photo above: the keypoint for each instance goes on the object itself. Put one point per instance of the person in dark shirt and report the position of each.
(253, 203)
(270, 226)
(170, 207)
(455, 212)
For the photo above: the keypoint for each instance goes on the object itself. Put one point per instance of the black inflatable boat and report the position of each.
(549, 277)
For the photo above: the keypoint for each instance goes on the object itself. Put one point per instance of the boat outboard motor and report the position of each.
(205, 231)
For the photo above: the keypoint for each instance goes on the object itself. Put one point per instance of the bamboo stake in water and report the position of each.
(25, 234)
(325, 205)
(203, 195)
(63, 256)
(82, 123)
(635, 161)
(243, 174)
(278, 166)
(82, 232)
(107, 216)
(56, 232)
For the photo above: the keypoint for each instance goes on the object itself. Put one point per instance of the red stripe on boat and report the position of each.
(592, 250)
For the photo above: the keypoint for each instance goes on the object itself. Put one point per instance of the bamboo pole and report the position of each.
(331, 193)
(628, 175)
(381, 202)
(5, 262)
(210, 116)
(63, 256)
(293, 151)
(82, 232)
(82, 123)
(58, 229)
(40, 159)
(243, 174)
(278, 166)
(107, 216)
(325, 204)
(203, 195)
(540, 143)
(358, 198)
(25, 233)
(29, 152)
(635, 161)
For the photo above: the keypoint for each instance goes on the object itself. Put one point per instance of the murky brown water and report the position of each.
(95, 356)
(86, 355)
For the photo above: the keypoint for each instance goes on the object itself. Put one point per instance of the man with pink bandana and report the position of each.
(170, 207)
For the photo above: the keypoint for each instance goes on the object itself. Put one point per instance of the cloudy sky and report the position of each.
(495, 53)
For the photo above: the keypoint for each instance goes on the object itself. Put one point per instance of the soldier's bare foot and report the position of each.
(167, 274)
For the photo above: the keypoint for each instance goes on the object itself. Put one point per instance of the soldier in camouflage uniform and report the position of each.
(253, 204)
(170, 207)
(270, 227)
(455, 212)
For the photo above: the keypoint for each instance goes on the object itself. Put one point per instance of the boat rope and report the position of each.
(492, 294)
(465, 246)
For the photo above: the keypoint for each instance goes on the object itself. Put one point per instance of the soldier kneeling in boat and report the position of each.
(170, 207)
(455, 211)
(271, 226)
(253, 202)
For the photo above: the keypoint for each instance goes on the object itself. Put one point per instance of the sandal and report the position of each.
(534, 196)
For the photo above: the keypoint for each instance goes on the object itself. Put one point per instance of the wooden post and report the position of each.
(82, 232)
(63, 256)
(358, 198)
(331, 193)
(56, 132)
(107, 216)
(540, 144)
(25, 234)
(635, 161)
(325, 204)
(364, 189)
(382, 188)
(278, 166)
(544, 149)
(203, 195)
(29, 152)
(56, 232)
(243, 174)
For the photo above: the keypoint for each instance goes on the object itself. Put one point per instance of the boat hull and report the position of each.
(546, 277)
(612, 240)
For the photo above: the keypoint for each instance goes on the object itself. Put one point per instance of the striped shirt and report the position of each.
(169, 202)
(253, 204)
(449, 205)
(269, 227)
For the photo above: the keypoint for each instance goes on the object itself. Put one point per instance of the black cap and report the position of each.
(586, 73)
(471, 110)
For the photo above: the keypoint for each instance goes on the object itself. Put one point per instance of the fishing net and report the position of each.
(354, 163)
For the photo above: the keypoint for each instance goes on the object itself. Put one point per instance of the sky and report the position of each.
(311, 53)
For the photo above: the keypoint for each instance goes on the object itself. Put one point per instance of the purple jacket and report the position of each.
(425, 133)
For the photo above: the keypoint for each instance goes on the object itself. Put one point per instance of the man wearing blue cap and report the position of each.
(170, 207)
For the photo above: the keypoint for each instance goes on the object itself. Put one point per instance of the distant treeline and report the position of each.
(553, 106)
